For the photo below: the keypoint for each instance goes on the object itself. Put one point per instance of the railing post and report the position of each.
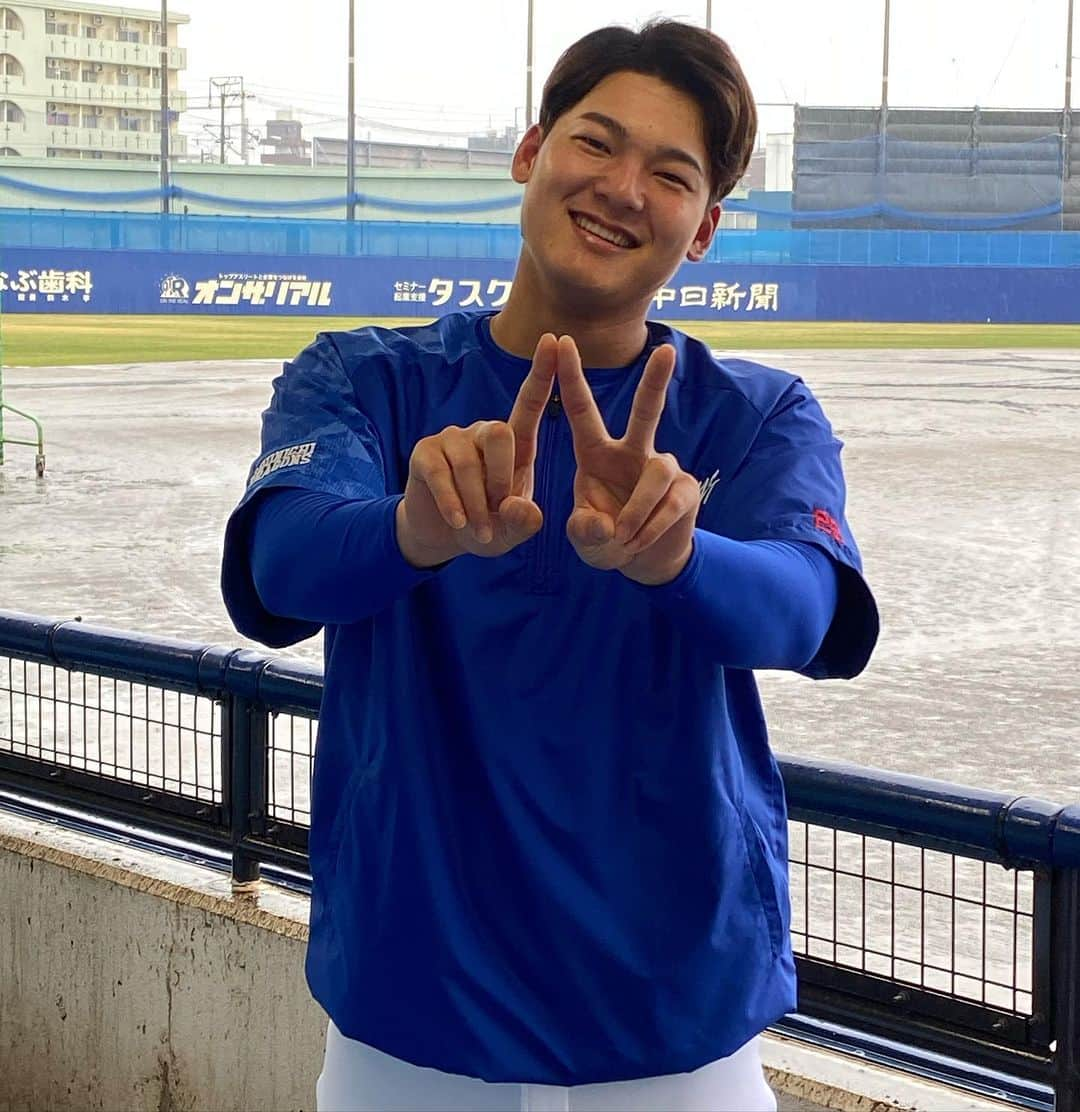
(243, 745)
(1065, 951)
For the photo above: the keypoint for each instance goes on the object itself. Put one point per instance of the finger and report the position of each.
(532, 399)
(431, 467)
(680, 501)
(654, 483)
(649, 400)
(587, 529)
(495, 441)
(586, 424)
(520, 519)
(468, 476)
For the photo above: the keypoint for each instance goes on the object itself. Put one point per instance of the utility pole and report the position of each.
(221, 159)
(350, 152)
(243, 130)
(164, 157)
(226, 89)
(529, 71)
(708, 15)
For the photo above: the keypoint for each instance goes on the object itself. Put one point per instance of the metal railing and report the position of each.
(939, 925)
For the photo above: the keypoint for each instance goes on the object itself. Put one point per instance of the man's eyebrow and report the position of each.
(619, 130)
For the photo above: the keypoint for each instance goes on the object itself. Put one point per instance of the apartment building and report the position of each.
(83, 81)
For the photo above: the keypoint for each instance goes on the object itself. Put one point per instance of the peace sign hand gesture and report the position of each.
(471, 489)
(634, 510)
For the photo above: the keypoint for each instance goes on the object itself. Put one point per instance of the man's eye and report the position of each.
(675, 179)
(592, 142)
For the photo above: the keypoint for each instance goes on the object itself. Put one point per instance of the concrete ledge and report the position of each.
(130, 980)
(848, 1084)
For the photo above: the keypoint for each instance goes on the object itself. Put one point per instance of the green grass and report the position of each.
(54, 340)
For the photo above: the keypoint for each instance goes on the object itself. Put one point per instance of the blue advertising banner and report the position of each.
(53, 279)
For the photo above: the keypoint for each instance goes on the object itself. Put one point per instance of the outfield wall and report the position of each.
(61, 280)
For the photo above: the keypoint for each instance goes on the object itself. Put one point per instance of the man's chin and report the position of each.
(592, 294)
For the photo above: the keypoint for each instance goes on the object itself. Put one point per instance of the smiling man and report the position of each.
(549, 547)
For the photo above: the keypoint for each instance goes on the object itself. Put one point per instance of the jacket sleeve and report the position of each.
(315, 440)
(788, 487)
(753, 604)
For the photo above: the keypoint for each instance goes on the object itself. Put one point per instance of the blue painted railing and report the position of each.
(1016, 1032)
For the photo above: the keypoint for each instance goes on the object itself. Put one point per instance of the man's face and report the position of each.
(617, 193)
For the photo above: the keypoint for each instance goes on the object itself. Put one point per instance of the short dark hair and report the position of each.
(688, 58)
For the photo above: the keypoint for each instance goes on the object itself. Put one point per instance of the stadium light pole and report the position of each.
(529, 70)
(1066, 117)
(1069, 59)
(350, 153)
(883, 112)
(885, 62)
(164, 157)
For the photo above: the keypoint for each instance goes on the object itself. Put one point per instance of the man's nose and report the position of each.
(623, 183)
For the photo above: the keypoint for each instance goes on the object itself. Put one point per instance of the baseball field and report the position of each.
(51, 340)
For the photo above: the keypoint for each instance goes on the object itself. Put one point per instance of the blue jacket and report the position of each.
(549, 839)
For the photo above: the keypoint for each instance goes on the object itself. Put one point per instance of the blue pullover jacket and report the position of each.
(548, 836)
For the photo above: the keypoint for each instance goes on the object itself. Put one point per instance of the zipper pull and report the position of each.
(554, 406)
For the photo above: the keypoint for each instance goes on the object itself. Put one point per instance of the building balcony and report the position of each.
(119, 53)
(113, 140)
(116, 96)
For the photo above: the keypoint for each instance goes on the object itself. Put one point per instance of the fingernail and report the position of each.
(457, 520)
(484, 534)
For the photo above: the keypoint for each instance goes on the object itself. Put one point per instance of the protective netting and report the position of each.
(254, 204)
(951, 169)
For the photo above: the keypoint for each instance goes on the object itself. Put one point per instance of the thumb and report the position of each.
(520, 518)
(589, 529)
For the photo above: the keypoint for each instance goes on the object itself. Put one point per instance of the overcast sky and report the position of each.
(459, 67)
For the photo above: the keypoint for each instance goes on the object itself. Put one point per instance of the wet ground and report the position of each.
(964, 473)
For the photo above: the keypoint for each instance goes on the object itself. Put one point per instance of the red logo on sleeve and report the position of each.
(828, 524)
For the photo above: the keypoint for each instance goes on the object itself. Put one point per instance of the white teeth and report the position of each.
(603, 233)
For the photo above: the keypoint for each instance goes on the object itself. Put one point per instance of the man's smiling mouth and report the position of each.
(615, 236)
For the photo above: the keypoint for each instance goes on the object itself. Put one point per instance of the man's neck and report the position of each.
(603, 341)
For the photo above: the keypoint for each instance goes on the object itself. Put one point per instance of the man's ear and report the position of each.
(525, 155)
(704, 236)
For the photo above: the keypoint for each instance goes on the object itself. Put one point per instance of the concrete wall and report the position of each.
(130, 981)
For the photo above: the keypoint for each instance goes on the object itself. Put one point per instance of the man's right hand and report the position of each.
(470, 490)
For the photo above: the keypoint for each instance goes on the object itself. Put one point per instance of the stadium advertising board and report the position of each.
(42, 280)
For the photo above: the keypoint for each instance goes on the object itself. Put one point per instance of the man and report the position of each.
(548, 842)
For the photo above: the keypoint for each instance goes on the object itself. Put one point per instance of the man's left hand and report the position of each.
(634, 509)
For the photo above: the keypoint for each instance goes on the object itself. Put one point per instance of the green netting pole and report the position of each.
(39, 442)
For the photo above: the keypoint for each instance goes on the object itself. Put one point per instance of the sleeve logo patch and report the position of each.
(296, 456)
(827, 524)
(708, 486)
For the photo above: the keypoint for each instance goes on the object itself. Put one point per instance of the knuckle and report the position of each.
(426, 461)
(500, 432)
(660, 470)
(448, 435)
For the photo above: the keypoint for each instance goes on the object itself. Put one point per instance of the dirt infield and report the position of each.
(962, 470)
